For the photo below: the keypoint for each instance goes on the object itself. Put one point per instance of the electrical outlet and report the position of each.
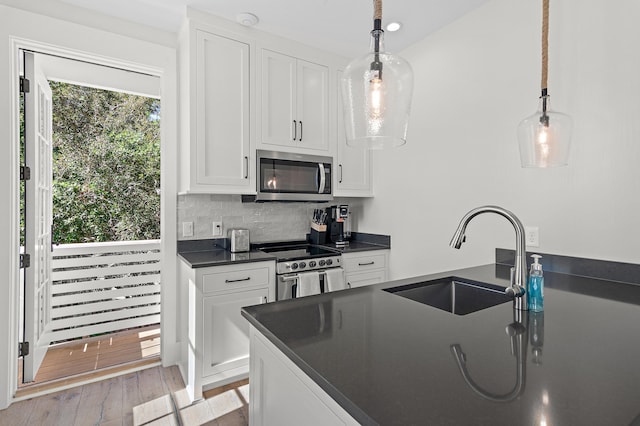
(187, 229)
(532, 237)
(217, 229)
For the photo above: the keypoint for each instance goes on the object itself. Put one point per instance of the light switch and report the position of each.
(187, 229)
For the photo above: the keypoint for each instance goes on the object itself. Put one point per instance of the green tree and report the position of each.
(106, 165)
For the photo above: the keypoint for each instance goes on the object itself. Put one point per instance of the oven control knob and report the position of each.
(329, 262)
(302, 265)
(312, 264)
(294, 266)
(321, 262)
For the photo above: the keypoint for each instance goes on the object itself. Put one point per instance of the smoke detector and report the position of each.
(247, 19)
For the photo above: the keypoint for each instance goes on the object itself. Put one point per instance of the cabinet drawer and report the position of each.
(231, 280)
(363, 263)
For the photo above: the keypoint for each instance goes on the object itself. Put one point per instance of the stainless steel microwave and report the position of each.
(284, 176)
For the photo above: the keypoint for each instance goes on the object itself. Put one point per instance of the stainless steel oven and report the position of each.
(298, 264)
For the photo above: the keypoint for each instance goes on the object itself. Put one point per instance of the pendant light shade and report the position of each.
(545, 137)
(376, 92)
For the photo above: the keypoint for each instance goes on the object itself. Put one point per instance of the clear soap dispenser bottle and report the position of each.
(536, 286)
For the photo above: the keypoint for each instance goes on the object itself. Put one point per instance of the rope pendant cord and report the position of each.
(377, 9)
(545, 44)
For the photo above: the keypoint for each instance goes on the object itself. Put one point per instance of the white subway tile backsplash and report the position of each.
(265, 221)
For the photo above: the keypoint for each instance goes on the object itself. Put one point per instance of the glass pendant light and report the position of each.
(545, 137)
(376, 92)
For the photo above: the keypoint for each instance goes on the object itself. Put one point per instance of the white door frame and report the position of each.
(167, 72)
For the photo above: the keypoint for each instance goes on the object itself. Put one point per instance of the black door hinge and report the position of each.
(24, 85)
(25, 260)
(25, 172)
(23, 348)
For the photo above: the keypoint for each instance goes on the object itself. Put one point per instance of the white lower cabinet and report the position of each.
(365, 267)
(218, 335)
(282, 394)
(226, 346)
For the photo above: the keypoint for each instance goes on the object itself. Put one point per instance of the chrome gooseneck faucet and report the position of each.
(519, 286)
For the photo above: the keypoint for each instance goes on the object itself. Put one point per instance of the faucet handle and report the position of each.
(514, 290)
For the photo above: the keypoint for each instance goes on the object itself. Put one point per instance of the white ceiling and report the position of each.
(339, 26)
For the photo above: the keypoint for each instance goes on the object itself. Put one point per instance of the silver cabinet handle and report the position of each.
(300, 131)
(366, 264)
(246, 165)
(295, 130)
(264, 299)
(340, 166)
(236, 281)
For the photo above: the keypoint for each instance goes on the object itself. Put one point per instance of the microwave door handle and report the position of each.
(322, 178)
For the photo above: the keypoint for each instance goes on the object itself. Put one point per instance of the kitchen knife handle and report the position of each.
(295, 130)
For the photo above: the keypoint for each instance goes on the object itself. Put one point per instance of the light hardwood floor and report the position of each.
(67, 360)
(155, 396)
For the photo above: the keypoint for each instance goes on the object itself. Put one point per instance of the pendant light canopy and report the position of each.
(545, 137)
(376, 92)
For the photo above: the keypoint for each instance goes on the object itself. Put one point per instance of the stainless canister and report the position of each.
(239, 240)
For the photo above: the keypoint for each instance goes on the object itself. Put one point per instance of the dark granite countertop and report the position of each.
(363, 242)
(213, 252)
(355, 246)
(388, 360)
(218, 257)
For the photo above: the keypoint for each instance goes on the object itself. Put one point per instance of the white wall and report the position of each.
(63, 37)
(475, 80)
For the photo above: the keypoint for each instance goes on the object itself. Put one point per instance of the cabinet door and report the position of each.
(281, 394)
(226, 332)
(366, 278)
(353, 170)
(312, 106)
(222, 111)
(278, 99)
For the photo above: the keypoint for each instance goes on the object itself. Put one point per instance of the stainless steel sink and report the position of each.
(452, 294)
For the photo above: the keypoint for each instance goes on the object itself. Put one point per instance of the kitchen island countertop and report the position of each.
(391, 361)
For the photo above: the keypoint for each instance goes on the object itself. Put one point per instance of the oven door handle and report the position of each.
(322, 178)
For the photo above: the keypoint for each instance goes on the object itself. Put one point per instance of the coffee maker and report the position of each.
(338, 224)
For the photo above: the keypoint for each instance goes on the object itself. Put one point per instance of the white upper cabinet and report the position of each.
(216, 94)
(242, 89)
(353, 165)
(294, 104)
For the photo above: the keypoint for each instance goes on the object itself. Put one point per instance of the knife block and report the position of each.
(318, 234)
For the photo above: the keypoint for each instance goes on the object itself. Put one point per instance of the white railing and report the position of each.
(104, 287)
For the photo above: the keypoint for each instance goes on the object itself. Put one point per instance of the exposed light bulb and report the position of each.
(543, 135)
(544, 140)
(375, 97)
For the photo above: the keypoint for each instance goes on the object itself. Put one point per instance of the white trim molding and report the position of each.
(20, 29)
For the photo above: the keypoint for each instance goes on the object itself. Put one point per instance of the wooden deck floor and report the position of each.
(155, 396)
(88, 356)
